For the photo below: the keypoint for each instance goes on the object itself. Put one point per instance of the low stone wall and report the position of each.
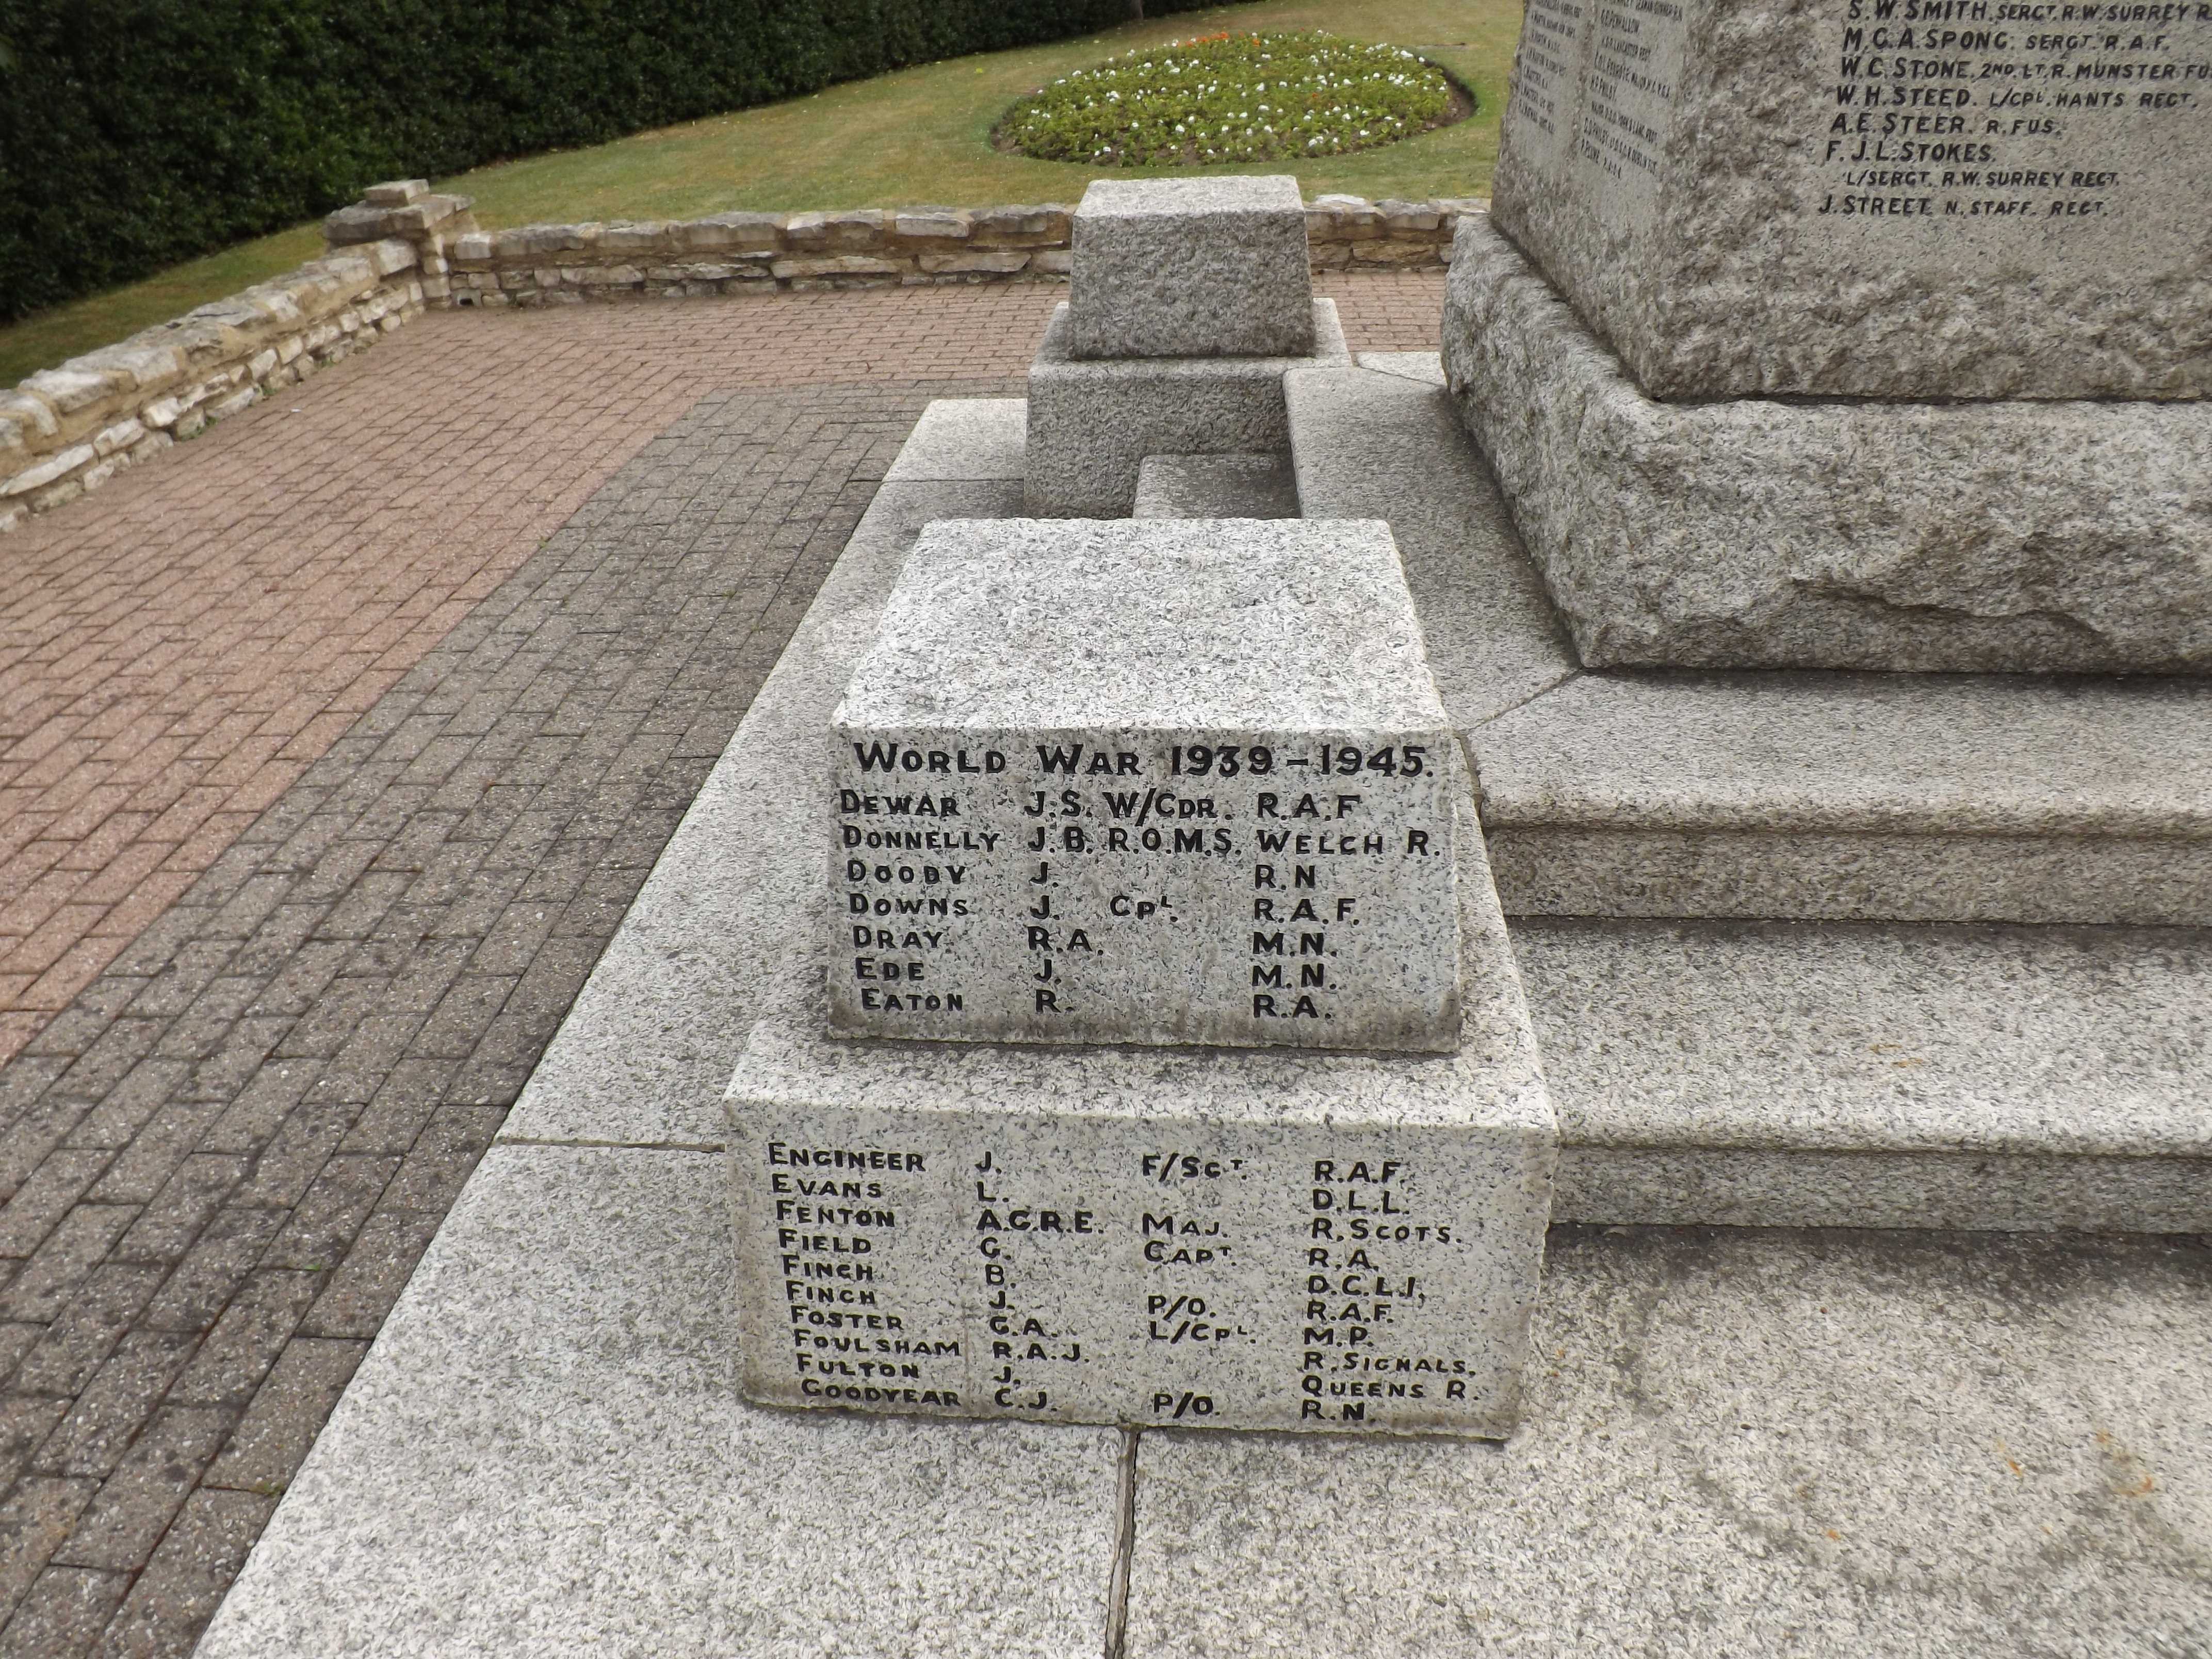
(871, 247)
(67, 431)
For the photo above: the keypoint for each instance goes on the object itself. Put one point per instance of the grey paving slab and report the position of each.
(544, 1453)
(1790, 1073)
(659, 1026)
(1374, 444)
(1743, 1444)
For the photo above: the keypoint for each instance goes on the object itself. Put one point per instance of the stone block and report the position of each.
(850, 230)
(1050, 830)
(636, 236)
(1860, 797)
(1191, 1236)
(33, 413)
(358, 223)
(1216, 487)
(1091, 422)
(837, 264)
(399, 193)
(1728, 192)
(2004, 536)
(1020, 227)
(69, 389)
(47, 471)
(121, 436)
(981, 261)
(1190, 268)
(148, 365)
(1767, 1074)
(930, 225)
(738, 232)
(1346, 217)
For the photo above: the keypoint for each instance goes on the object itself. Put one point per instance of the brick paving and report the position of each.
(333, 747)
(174, 653)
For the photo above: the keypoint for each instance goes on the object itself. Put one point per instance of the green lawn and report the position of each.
(916, 137)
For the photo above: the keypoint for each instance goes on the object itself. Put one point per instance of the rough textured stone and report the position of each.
(1759, 534)
(1386, 444)
(1793, 1074)
(1053, 824)
(1190, 268)
(1841, 1446)
(1216, 487)
(547, 1438)
(1103, 1235)
(1091, 423)
(1854, 797)
(1748, 197)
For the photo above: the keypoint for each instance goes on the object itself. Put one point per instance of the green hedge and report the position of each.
(136, 133)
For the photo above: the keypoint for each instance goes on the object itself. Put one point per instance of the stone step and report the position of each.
(1803, 1073)
(1817, 796)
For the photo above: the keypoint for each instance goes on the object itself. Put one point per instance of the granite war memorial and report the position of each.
(1635, 888)
(1157, 1062)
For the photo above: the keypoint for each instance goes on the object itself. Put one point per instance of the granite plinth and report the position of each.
(1242, 1238)
(1148, 781)
(1092, 422)
(2010, 536)
(1745, 198)
(1216, 487)
(1190, 268)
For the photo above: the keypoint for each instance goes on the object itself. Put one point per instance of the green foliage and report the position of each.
(135, 133)
(1232, 98)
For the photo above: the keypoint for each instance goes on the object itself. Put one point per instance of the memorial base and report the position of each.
(1760, 533)
(1093, 421)
(1185, 1237)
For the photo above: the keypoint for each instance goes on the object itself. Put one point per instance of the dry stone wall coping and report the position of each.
(404, 246)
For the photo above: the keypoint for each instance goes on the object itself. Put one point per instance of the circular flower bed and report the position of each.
(1232, 98)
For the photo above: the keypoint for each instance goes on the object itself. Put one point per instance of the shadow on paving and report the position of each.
(225, 1157)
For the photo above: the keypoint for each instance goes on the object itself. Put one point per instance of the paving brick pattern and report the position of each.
(176, 651)
(429, 739)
